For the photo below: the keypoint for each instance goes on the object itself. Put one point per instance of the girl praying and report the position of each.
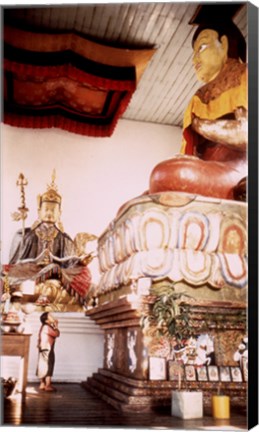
(46, 341)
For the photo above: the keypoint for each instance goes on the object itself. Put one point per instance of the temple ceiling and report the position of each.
(83, 67)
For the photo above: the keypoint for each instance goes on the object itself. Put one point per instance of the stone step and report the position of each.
(124, 387)
(121, 393)
(101, 385)
(113, 398)
(90, 385)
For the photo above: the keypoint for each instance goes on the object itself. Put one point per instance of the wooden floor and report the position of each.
(72, 405)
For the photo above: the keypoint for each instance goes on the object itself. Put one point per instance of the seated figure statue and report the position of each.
(46, 236)
(45, 252)
(213, 161)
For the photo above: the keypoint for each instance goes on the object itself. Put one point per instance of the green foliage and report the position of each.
(168, 315)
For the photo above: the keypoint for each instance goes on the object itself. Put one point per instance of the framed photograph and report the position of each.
(213, 373)
(224, 373)
(236, 374)
(175, 371)
(202, 373)
(157, 368)
(190, 374)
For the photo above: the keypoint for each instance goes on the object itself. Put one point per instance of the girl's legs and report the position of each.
(48, 386)
(42, 384)
(51, 362)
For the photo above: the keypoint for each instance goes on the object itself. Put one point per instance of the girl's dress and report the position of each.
(46, 343)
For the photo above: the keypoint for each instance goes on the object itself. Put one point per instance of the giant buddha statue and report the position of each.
(213, 160)
(161, 234)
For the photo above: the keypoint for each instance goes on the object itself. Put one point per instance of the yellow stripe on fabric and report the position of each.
(226, 103)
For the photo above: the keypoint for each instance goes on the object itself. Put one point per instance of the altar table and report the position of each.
(16, 344)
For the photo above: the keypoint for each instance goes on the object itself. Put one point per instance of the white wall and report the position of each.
(95, 176)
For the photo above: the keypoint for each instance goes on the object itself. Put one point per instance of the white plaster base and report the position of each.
(78, 350)
(187, 405)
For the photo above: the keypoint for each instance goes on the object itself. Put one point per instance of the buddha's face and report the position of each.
(209, 54)
(49, 212)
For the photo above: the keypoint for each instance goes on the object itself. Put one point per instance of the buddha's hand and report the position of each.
(44, 258)
(241, 114)
(232, 133)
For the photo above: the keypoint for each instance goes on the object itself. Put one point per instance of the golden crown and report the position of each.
(51, 195)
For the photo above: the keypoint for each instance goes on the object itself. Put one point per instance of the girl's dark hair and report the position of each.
(236, 41)
(44, 317)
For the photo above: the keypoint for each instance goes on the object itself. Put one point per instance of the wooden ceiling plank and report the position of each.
(119, 27)
(45, 21)
(69, 18)
(175, 88)
(167, 102)
(241, 21)
(88, 16)
(160, 72)
(140, 34)
(128, 30)
(173, 41)
(153, 75)
(114, 18)
(78, 19)
(102, 20)
(149, 29)
(92, 27)
(36, 17)
(180, 61)
(176, 114)
(96, 20)
(58, 18)
(180, 99)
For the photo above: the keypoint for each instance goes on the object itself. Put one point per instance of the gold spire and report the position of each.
(53, 184)
(51, 195)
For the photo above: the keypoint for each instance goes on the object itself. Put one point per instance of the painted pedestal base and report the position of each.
(196, 244)
(124, 379)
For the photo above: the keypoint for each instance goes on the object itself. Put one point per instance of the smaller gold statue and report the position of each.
(46, 236)
(44, 252)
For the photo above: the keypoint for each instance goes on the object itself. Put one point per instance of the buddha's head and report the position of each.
(213, 45)
(49, 212)
(49, 204)
(209, 54)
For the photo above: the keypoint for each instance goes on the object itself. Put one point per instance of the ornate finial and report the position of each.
(22, 181)
(23, 210)
(53, 185)
(53, 176)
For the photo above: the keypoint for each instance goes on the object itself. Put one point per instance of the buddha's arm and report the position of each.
(233, 133)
